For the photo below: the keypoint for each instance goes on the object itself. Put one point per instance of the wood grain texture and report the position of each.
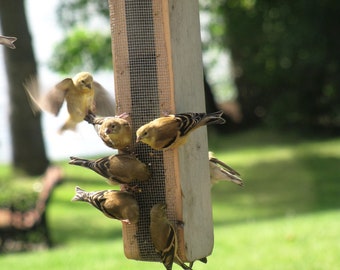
(187, 70)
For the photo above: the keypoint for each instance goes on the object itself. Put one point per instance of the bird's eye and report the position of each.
(145, 133)
(82, 81)
(113, 126)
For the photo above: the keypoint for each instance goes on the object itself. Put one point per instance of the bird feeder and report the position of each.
(157, 59)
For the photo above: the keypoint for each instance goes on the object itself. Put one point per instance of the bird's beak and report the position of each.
(89, 86)
(138, 139)
(108, 131)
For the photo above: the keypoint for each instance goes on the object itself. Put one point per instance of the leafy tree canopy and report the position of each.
(286, 59)
(87, 43)
(82, 48)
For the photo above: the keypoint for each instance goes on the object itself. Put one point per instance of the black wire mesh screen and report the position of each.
(145, 94)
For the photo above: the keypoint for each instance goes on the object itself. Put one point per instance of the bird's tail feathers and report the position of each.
(79, 161)
(222, 164)
(80, 195)
(191, 121)
(214, 118)
(235, 178)
(8, 41)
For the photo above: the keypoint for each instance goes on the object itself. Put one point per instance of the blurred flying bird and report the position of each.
(118, 169)
(163, 236)
(219, 171)
(114, 204)
(8, 41)
(81, 93)
(115, 131)
(171, 131)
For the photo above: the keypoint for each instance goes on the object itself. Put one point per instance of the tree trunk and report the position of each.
(211, 106)
(27, 142)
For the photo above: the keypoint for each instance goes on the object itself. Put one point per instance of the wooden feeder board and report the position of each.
(157, 58)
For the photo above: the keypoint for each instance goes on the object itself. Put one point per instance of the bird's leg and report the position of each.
(132, 189)
(180, 223)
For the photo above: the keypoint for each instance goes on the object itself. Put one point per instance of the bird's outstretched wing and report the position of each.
(55, 97)
(52, 100)
(105, 104)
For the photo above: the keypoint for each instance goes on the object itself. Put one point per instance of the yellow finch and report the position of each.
(219, 171)
(115, 131)
(171, 131)
(118, 169)
(8, 41)
(114, 204)
(81, 93)
(163, 236)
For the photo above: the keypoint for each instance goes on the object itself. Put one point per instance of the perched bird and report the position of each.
(219, 171)
(81, 93)
(115, 131)
(8, 41)
(164, 238)
(118, 169)
(171, 131)
(114, 204)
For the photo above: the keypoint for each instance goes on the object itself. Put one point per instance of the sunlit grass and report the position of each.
(286, 217)
(290, 242)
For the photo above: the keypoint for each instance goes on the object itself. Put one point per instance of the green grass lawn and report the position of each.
(286, 217)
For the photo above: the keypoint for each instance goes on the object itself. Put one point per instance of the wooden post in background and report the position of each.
(158, 69)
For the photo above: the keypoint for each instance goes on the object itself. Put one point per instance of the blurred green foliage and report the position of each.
(18, 193)
(77, 50)
(74, 12)
(87, 41)
(286, 59)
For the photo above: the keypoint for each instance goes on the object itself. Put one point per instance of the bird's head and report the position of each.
(83, 80)
(110, 127)
(143, 134)
(159, 210)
